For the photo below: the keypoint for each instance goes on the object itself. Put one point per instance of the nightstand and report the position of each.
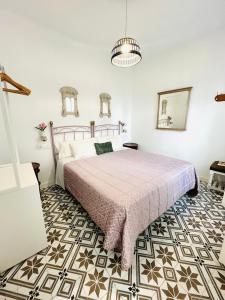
(131, 145)
(36, 167)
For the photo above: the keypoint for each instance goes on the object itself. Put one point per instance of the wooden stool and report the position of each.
(217, 168)
(36, 167)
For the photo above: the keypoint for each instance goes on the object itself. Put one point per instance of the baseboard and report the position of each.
(44, 185)
(204, 179)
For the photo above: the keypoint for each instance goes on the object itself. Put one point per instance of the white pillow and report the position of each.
(116, 141)
(83, 148)
(63, 149)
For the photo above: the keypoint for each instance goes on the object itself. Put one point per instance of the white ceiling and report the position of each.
(155, 24)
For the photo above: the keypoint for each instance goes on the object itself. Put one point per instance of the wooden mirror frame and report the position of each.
(188, 89)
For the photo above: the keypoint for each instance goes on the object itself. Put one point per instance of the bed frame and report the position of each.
(89, 131)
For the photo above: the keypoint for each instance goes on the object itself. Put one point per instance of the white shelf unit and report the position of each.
(214, 183)
(21, 218)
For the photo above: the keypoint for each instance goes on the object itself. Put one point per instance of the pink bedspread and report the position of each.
(125, 191)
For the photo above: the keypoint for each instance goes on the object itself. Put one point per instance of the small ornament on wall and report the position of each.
(69, 101)
(41, 128)
(105, 109)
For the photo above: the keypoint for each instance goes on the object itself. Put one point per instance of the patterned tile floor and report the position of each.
(175, 258)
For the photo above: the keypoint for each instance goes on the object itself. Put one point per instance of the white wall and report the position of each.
(44, 61)
(200, 64)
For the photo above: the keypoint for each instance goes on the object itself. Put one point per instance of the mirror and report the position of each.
(69, 101)
(105, 110)
(173, 109)
(69, 104)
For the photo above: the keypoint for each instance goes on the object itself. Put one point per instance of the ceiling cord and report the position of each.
(126, 20)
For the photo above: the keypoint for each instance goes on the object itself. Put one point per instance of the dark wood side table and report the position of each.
(36, 167)
(131, 145)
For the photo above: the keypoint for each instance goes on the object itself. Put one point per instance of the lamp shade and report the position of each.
(126, 53)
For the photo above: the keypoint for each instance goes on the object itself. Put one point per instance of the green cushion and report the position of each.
(103, 148)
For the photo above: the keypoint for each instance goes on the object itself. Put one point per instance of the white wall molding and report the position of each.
(204, 179)
(45, 185)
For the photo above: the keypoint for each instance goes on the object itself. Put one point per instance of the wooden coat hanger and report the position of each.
(20, 89)
(220, 97)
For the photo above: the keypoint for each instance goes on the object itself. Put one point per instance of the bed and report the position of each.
(126, 190)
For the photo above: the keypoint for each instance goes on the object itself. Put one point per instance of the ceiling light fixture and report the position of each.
(126, 52)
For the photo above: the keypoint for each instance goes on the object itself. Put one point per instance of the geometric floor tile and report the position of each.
(176, 257)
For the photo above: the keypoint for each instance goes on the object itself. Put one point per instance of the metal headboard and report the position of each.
(108, 129)
(65, 131)
(84, 131)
